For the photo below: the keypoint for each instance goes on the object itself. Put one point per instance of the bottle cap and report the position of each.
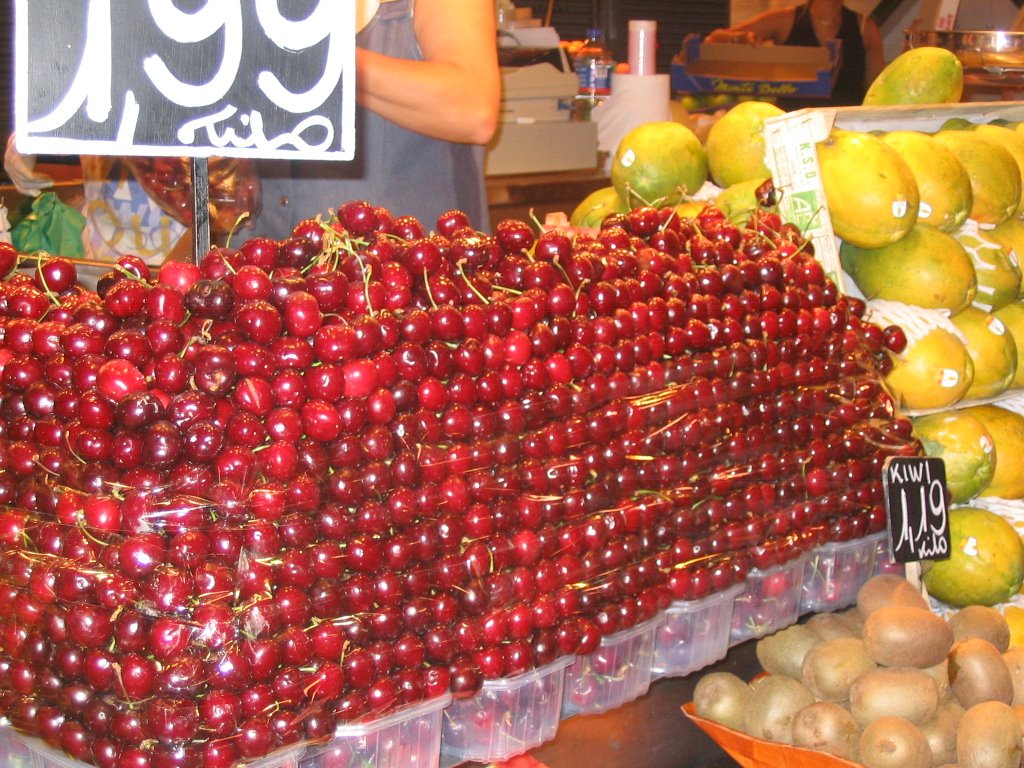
(643, 25)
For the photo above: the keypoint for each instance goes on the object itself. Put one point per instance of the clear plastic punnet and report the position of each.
(695, 634)
(410, 737)
(506, 718)
(617, 671)
(770, 600)
(834, 573)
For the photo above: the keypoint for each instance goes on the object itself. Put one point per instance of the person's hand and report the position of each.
(747, 37)
(21, 170)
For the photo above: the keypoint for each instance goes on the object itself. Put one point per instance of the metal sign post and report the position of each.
(200, 207)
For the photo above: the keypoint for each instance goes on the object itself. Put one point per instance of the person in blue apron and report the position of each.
(815, 23)
(428, 92)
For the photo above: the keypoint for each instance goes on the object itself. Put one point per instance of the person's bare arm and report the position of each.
(769, 26)
(454, 93)
(874, 57)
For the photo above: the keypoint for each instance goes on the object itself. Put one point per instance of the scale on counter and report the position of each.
(538, 85)
(989, 57)
(538, 82)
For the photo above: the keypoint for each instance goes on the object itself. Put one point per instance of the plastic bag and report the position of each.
(53, 226)
(121, 217)
(234, 188)
(21, 170)
(5, 225)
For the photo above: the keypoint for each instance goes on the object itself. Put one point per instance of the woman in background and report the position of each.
(813, 24)
(428, 96)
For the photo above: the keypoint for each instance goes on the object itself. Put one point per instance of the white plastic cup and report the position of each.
(642, 42)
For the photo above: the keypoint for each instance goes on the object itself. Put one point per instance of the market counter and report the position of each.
(514, 196)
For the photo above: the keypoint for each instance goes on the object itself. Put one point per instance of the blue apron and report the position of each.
(404, 171)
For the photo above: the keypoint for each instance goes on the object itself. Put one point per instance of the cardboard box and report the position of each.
(756, 70)
(541, 147)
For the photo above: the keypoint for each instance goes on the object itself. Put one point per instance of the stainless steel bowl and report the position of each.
(990, 57)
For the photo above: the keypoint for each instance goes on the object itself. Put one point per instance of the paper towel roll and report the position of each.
(635, 99)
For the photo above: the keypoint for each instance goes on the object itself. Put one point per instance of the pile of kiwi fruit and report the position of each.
(888, 683)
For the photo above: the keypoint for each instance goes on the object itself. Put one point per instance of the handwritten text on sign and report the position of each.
(231, 78)
(915, 496)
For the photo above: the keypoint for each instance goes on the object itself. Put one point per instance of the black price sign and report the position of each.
(915, 499)
(199, 78)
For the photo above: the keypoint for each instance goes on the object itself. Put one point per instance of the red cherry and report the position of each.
(8, 259)
(119, 378)
(180, 275)
(895, 339)
(55, 275)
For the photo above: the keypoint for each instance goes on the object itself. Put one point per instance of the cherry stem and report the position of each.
(535, 220)
(459, 265)
(235, 227)
(675, 214)
(581, 286)
(558, 265)
(426, 284)
(631, 193)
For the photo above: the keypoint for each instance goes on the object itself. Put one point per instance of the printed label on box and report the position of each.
(791, 156)
(938, 15)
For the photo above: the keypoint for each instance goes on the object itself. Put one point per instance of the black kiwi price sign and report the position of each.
(915, 499)
(196, 78)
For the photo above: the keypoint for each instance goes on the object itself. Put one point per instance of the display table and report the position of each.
(513, 197)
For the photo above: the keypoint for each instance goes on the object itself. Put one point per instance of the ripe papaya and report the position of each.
(926, 75)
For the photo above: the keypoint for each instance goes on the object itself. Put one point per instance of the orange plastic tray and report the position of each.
(757, 753)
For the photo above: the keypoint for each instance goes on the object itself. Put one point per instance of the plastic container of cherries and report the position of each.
(506, 718)
(410, 736)
(619, 670)
(695, 634)
(15, 753)
(770, 600)
(834, 572)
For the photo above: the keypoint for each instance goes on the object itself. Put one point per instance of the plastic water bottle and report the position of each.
(593, 64)
(505, 12)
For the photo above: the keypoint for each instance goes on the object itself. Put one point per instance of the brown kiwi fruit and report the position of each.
(782, 652)
(887, 589)
(905, 692)
(904, 636)
(988, 736)
(773, 706)
(831, 667)
(940, 731)
(978, 672)
(723, 698)
(893, 742)
(1014, 658)
(981, 621)
(826, 727)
